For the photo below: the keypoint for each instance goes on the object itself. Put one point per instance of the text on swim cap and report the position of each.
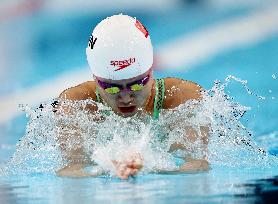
(121, 64)
(92, 41)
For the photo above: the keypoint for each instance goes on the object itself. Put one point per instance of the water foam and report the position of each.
(105, 136)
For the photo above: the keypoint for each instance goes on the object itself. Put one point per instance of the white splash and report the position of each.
(105, 136)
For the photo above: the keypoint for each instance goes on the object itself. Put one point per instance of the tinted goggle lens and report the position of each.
(113, 89)
(136, 87)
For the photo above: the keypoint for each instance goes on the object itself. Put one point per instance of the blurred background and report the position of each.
(42, 51)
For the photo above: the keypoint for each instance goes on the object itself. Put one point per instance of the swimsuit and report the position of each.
(158, 100)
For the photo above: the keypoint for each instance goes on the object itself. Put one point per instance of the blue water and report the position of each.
(217, 186)
(52, 45)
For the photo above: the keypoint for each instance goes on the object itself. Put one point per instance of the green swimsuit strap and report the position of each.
(99, 99)
(159, 97)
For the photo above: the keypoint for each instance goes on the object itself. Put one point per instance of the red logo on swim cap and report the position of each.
(140, 26)
(121, 64)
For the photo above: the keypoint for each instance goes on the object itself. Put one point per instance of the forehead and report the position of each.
(124, 81)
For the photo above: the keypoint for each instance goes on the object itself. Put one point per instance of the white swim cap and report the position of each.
(119, 48)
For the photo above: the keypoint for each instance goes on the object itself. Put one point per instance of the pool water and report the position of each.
(217, 186)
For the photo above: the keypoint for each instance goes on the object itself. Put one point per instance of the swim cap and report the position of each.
(119, 48)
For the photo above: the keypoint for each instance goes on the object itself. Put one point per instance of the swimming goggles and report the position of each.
(116, 88)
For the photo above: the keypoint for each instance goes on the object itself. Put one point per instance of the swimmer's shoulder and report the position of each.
(82, 91)
(177, 91)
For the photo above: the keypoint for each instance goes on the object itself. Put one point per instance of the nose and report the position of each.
(126, 97)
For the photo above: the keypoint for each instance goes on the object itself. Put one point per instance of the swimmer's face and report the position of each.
(126, 102)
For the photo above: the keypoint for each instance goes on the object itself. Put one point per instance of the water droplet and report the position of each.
(273, 76)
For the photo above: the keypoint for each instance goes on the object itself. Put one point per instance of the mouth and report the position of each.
(129, 109)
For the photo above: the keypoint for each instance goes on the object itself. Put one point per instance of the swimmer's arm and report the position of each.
(192, 165)
(75, 157)
(77, 171)
(71, 148)
(201, 164)
(186, 90)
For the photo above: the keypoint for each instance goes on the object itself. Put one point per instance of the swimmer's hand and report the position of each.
(130, 167)
(76, 171)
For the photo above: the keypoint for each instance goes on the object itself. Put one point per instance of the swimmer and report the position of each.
(120, 55)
